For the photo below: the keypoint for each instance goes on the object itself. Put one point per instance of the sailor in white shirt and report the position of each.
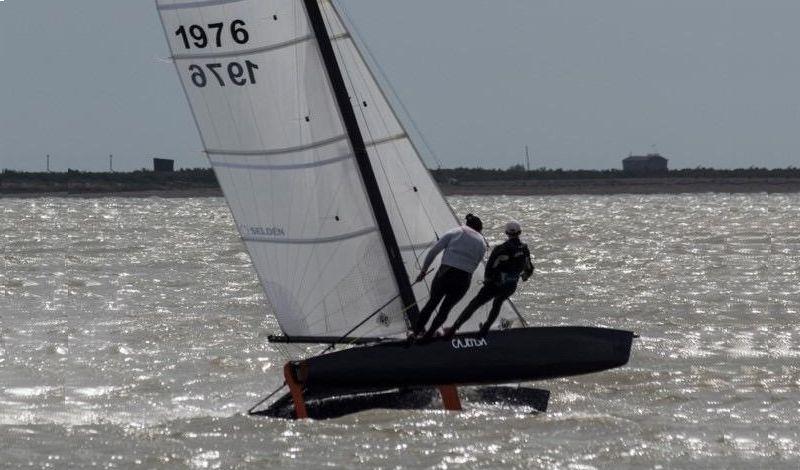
(463, 248)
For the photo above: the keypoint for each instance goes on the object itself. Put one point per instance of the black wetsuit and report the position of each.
(450, 284)
(507, 264)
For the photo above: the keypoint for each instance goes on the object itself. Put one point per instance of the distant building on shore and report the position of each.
(163, 165)
(649, 164)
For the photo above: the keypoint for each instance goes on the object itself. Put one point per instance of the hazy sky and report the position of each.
(583, 82)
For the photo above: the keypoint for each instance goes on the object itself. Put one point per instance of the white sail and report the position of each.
(264, 107)
(416, 207)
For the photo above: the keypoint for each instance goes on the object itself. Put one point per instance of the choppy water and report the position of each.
(134, 334)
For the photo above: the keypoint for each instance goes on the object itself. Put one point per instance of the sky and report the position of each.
(583, 83)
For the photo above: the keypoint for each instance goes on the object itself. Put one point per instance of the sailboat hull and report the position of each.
(517, 355)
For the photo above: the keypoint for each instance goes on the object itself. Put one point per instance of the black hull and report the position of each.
(509, 356)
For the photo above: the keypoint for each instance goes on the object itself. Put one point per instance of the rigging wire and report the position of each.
(267, 398)
(365, 121)
(362, 45)
(355, 35)
(371, 62)
(347, 73)
(283, 350)
(370, 78)
(394, 298)
(356, 56)
(364, 321)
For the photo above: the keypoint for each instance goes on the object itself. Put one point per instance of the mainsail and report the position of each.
(266, 108)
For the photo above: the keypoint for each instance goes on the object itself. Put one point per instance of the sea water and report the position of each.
(134, 336)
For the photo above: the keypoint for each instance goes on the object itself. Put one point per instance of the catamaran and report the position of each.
(337, 209)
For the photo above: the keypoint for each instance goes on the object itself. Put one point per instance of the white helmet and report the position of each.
(513, 228)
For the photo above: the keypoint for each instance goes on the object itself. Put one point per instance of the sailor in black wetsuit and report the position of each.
(507, 264)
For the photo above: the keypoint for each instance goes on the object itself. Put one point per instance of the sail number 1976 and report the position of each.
(200, 37)
(234, 72)
(216, 35)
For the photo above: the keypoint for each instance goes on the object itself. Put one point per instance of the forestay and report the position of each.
(263, 104)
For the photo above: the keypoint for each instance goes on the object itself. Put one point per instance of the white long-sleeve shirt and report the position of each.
(463, 249)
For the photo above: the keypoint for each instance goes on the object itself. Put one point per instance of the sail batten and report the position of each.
(296, 166)
(197, 4)
(387, 139)
(279, 151)
(310, 241)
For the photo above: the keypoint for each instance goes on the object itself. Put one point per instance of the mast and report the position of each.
(362, 158)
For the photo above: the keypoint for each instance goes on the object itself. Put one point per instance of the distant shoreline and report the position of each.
(613, 186)
(145, 193)
(606, 186)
